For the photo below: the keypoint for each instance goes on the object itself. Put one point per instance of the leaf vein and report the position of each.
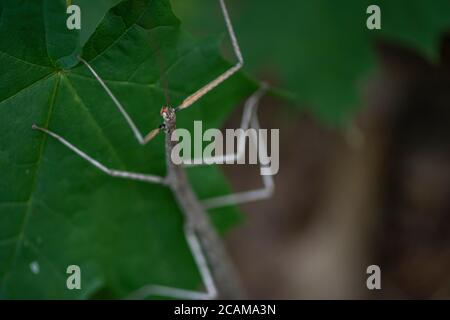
(34, 183)
(25, 61)
(28, 86)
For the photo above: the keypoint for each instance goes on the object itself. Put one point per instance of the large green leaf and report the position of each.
(321, 50)
(55, 208)
(92, 14)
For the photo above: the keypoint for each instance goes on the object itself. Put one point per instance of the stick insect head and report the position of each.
(168, 114)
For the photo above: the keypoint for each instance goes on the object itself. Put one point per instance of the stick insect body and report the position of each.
(207, 249)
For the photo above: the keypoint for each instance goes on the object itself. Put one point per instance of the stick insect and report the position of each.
(207, 249)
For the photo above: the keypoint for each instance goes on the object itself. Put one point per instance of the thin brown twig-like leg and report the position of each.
(138, 135)
(249, 119)
(224, 76)
(205, 273)
(111, 172)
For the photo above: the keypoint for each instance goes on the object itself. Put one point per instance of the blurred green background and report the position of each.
(320, 51)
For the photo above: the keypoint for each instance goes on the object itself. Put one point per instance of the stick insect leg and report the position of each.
(249, 118)
(242, 197)
(200, 260)
(246, 196)
(250, 108)
(139, 137)
(224, 76)
(98, 165)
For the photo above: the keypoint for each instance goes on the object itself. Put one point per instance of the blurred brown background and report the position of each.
(377, 192)
(371, 190)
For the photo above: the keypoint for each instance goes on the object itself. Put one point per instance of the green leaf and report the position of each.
(92, 13)
(48, 42)
(321, 50)
(56, 209)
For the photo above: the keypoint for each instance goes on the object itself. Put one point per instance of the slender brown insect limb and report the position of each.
(202, 264)
(221, 78)
(111, 172)
(138, 135)
(153, 133)
(249, 119)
